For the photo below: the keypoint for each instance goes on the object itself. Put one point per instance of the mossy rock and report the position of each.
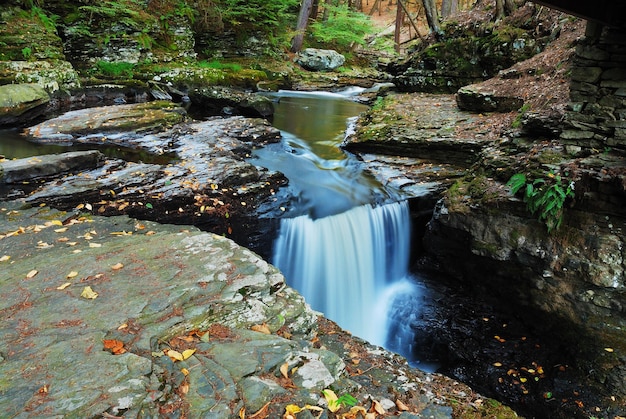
(28, 35)
(21, 102)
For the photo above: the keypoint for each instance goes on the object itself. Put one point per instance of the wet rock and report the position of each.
(208, 180)
(15, 171)
(474, 99)
(20, 103)
(96, 124)
(319, 59)
(213, 101)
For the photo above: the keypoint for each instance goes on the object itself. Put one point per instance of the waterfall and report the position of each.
(345, 264)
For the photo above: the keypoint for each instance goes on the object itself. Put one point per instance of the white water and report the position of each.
(349, 266)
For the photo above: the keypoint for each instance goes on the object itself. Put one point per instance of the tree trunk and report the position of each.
(432, 18)
(399, 18)
(303, 20)
(449, 7)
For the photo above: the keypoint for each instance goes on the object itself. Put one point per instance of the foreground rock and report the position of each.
(21, 170)
(117, 317)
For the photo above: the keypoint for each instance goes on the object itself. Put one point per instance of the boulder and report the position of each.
(20, 103)
(474, 98)
(320, 59)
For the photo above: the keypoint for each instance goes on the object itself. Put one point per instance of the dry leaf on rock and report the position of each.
(115, 346)
(32, 274)
(263, 328)
(117, 266)
(89, 293)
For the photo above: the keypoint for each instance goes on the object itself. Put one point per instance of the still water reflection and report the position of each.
(325, 180)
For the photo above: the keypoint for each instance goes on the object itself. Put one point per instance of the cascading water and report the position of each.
(348, 257)
(344, 263)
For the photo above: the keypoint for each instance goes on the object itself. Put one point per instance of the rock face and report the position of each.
(109, 317)
(20, 103)
(469, 53)
(218, 100)
(320, 59)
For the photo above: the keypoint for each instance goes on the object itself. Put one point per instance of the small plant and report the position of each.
(27, 52)
(517, 122)
(217, 65)
(544, 197)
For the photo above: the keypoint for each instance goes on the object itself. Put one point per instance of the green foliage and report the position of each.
(48, 21)
(343, 29)
(248, 16)
(543, 197)
(27, 52)
(347, 400)
(219, 65)
(517, 122)
(118, 69)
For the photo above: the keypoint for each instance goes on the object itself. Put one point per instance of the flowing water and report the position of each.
(346, 245)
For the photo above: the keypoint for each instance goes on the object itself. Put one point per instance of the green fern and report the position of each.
(543, 198)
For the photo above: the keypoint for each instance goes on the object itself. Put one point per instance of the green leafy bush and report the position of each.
(544, 197)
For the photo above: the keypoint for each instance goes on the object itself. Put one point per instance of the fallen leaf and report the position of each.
(5, 258)
(61, 230)
(56, 223)
(608, 349)
(88, 206)
(263, 328)
(284, 370)
(95, 245)
(331, 399)
(115, 346)
(117, 266)
(401, 406)
(32, 274)
(62, 287)
(187, 353)
(72, 274)
(174, 355)
(378, 408)
(185, 371)
(184, 387)
(89, 293)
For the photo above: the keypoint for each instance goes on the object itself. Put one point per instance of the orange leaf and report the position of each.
(116, 347)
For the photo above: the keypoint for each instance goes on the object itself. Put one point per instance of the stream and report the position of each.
(345, 244)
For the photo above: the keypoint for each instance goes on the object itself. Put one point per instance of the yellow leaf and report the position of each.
(523, 379)
(89, 293)
(188, 352)
(72, 274)
(88, 206)
(185, 371)
(80, 206)
(32, 274)
(95, 245)
(284, 370)
(331, 399)
(293, 409)
(117, 266)
(174, 355)
(608, 349)
(62, 287)
(61, 230)
(242, 413)
(497, 364)
(56, 223)
(5, 258)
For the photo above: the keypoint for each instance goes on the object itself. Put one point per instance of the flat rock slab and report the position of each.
(117, 317)
(13, 171)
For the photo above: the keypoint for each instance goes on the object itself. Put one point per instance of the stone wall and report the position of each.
(597, 112)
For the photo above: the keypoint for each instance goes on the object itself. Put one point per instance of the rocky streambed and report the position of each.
(124, 317)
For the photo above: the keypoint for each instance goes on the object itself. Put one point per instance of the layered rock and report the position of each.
(20, 103)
